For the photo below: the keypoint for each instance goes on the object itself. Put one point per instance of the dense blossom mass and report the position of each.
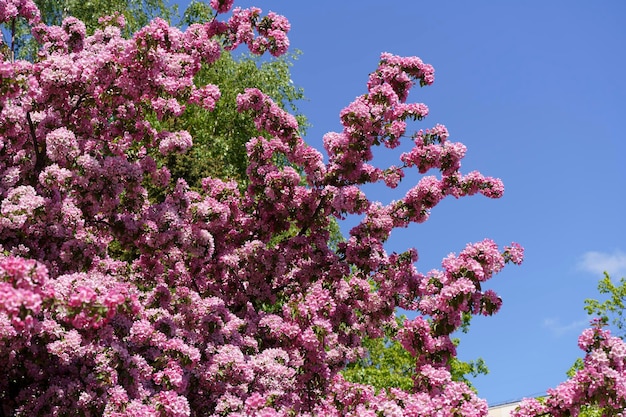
(124, 292)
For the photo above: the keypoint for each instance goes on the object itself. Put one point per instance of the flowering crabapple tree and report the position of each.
(123, 292)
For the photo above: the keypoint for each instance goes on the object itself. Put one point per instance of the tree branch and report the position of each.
(39, 153)
(313, 217)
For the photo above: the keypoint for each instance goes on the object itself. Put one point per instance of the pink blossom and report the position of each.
(514, 253)
(222, 6)
(67, 348)
(10, 9)
(175, 142)
(19, 205)
(76, 33)
(172, 405)
(206, 96)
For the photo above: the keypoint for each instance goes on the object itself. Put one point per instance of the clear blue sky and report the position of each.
(535, 90)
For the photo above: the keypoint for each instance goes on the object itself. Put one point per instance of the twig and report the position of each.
(39, 153)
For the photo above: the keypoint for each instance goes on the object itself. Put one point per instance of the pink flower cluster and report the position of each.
(12, 9)
(271, 29)
(222, 6)
(601, 381)
(124, 292)
(356, 400)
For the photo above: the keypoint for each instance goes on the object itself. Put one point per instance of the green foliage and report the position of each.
(577, 366)
(136, 12)
(197, 12)
(460, 370)
(585, 411)
(610, 311)
(220, 136)
(388, 365)
(591, 411)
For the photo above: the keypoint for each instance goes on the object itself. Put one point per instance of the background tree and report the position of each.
(611, 310)
(387, 364)
(221, 135)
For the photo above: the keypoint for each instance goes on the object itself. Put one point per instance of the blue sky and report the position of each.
(535, 90)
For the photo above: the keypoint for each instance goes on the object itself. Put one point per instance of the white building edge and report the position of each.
(502, 410)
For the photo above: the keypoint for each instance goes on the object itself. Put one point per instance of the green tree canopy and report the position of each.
(389, 365)
(611, 310)
(220, 136)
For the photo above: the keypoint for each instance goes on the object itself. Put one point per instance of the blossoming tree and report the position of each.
(123, 292)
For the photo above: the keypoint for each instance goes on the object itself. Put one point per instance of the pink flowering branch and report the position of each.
(458, 290)
(261, 34)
